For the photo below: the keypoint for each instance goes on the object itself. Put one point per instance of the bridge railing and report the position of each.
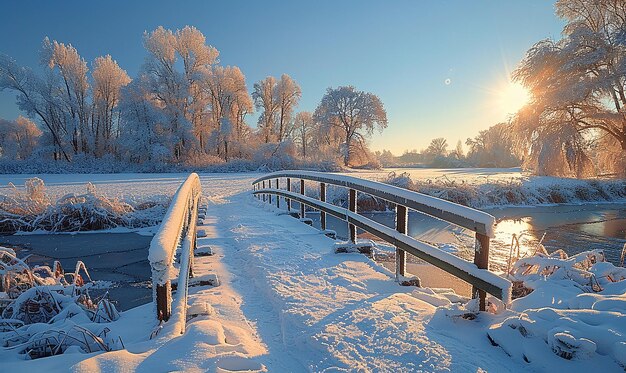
(177, 231)
(477, 273)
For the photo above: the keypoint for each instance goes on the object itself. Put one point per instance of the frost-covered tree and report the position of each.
(355, 113)
(19, 138)
(37, 98)
(458, 151)
(276, 99)
(303, 130)
(230, 102)
(143, 135)
(77, 112)
(179, 94)
(287, 95)
(108, 80)
(577, 85)
(437, 147)
(265, 100)
(493, 147)
(73, 88)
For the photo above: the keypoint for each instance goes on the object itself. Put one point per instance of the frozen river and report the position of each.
(573, 228)
(121, 258)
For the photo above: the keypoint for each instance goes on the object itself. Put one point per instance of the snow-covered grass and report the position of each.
(516, 191)
(31, 208)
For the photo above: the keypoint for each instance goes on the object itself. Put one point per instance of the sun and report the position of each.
(512, 97)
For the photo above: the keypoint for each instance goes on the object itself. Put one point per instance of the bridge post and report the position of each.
(163, 301)
(352, 208)
(323, 199)
(289, 190)
(402, 215)
(277, 196)
(301, 204)
(481, 259)
(263, 188)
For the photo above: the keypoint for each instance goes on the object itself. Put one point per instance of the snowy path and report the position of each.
(316, 310)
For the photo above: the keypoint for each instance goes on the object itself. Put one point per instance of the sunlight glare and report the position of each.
(512, 97)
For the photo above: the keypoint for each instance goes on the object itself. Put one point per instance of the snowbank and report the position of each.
(576, 311)
(522, 191)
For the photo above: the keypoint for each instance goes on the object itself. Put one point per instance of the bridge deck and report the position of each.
(286, 302)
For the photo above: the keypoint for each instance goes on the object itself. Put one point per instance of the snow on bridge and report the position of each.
(287, 303)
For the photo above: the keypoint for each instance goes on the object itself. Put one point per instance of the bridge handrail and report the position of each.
(176, 228)
(463, 216)
(476, 273)
(481, 278)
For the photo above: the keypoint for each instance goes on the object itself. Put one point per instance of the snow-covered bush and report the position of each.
(32, 209)
(514, 192)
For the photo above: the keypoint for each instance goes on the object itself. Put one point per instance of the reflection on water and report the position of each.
(571, 228)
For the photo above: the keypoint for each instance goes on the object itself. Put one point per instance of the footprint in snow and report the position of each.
(238, 364)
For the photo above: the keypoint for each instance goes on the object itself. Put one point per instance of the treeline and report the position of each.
(493, 147)
(183, 109)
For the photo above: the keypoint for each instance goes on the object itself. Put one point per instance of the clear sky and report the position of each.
(440, 67)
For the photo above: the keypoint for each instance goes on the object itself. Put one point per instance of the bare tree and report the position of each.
(356, 113)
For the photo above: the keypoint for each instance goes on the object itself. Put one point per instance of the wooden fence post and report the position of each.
(163, 303)
(402, 215)
(323, 199)
(352, 207)
(277, 196)
(301, 204)
(481, 259)
(263, 188)
(289, 190)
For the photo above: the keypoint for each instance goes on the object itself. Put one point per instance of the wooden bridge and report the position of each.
(176, 238)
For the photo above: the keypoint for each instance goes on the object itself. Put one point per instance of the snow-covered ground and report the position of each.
(286, 302)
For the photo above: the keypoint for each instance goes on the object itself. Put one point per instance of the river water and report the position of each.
(121, 258)
(573, 228)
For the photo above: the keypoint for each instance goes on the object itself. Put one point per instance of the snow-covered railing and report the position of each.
(177, 230)
(477, 273)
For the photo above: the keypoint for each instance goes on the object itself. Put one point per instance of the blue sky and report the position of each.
(403, 51)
